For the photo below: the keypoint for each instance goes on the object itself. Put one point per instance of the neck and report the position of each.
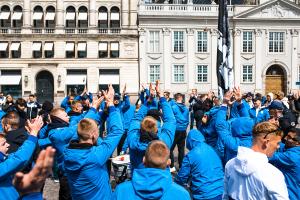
(257, 148)
(89, 141)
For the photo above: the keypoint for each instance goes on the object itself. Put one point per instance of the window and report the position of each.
(247, 41)
(201, 41)
(276, 40)
(10, 81)
(70, 51)
(38, 17)
(154, 73)
(109, 76)
(37, 50)
(49, 49)
(15, 50)
(103, 50)
(178, 73)
(102, 18)
(4, 52)
(178, 41)
(76, 80)
(114, 17)
(81, 50)
(202, 73)
(114, 49)
(154, 41)
(247, 73)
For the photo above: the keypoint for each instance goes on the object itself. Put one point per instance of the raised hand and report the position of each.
(157, 89)
(33, 127)
(124, 89)
(108, 99)
(97, 101)
(111, 92)
(227, 97)
(35, 179)
(237, 93)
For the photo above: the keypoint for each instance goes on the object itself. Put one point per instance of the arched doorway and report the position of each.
(275, 79)
(44, 87)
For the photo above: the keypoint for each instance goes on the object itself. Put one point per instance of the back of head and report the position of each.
(157, 155)
(149, 125)
(11, 118)
(156, 114)
(178, 96)
(21, 102)
(85, 129)
(47, 106)
(194, 138)
(264, 129)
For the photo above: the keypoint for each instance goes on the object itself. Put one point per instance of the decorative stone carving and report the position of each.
(142, 31)
(190, 31)
(237, 32)
(294, 32)
(166, 31)
(277, 10)
(258, 32)
(214, 32)
(178, 56)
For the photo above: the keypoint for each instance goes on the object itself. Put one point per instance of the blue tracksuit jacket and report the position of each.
(181, 113)
(166, 134)
(14, 162)
(203, 167)
(86, 167)
(150, 183)
(288, 162)
(262, 115)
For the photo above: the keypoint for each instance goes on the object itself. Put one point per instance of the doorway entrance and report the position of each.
(44, 87)
(275, 79)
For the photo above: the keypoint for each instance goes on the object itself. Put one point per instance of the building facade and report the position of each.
(178, 44)
(53, 47)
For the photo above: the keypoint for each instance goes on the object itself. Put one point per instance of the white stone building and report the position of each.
(49, 47)
(178, 44)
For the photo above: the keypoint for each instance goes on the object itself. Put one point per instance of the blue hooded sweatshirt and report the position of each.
(234, 133)
(181, 113)
(150, 183)
(203, 167)
(288, 162)
(262, 115)
(14, 163)
(85, 167)
(166, 134)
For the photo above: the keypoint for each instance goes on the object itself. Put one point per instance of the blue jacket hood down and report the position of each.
(194, 138)
(242, 127)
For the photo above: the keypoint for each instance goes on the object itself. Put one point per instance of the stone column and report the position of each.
(133, 13)
(142, 56)
(27, 17)
(93, 17)
(60, 13)
(167, 49)
(237, 56)
(258, 68)
(125, 14)
(190, 59)
(294, 60)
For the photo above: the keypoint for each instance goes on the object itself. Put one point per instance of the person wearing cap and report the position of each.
(201, 168)
(288, 162)
(257, 113)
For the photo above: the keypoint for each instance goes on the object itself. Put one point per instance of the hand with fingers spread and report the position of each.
(108, 99)
(237, 94)
(35, 179)
(111, 92)
(227, 97)
(97, 101)
(35, 126)
(124, 90)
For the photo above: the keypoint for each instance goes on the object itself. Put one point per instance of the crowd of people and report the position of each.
(244, 146)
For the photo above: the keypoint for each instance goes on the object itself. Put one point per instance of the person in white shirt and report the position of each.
(249, 175)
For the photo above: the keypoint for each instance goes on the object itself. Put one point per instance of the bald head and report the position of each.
(157, 155)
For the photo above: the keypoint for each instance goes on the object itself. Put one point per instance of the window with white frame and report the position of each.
(247, 41)
(202, 73)
(178, 38)
(154, 41)
(276, 42)
(201, 41)
(178, 73)
(154, 73)
(247, 73)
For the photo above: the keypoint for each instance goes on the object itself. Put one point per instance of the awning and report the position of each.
(114, 16)
(109, 79)
(81, 46)
(50, 16)
(37, 16)
(4, 15)
(3, 46)
(48, 46)
(82, 16)
(114, 46)
(70, 16)
(17, 15)
(102, 16)
(15, 46)
(76, 80)
(70, 46)
(36, 46)
(10, 80)
(102, 46)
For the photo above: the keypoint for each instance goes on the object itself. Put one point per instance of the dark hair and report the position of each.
(178, 95)
(12, 118)
(21, 102)
(31, 95)
(297, 131)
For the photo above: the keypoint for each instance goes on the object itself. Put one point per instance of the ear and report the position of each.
(265, 144)
(169, 162)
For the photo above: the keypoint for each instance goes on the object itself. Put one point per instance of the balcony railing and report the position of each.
(4, 30)
(50, 30)
(37, 30)
(82, 30)
(16, 30)
(109, 31)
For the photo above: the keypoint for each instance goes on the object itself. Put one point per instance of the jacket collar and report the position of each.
(76, 145)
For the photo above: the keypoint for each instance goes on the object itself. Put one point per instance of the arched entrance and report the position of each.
(44, 87)
(276, 79)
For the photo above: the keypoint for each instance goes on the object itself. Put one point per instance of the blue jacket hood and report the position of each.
(242, 127)
(181, 106)
(194, 138)
(151, 183)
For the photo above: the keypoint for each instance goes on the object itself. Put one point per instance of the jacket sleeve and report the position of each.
(108, 145)
(281, 158)
(184, 172)
(64, 103)
(169, 126)
(43, 143)
(243, 111)
(225, 193)
(16, 161)
(126, 104)
(223, 130)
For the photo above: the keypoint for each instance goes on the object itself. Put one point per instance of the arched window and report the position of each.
(38, 17)
(17, 16)
(50, 17)
(114, 17)
(102, 18)
(82, 17)
(71, 17)
(5, 16)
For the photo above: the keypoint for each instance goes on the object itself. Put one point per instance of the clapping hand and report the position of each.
(33, 127)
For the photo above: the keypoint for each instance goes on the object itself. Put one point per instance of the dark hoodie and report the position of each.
(15, 139)
(150, 183)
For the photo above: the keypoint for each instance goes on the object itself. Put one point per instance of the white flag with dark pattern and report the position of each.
(224, 55)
